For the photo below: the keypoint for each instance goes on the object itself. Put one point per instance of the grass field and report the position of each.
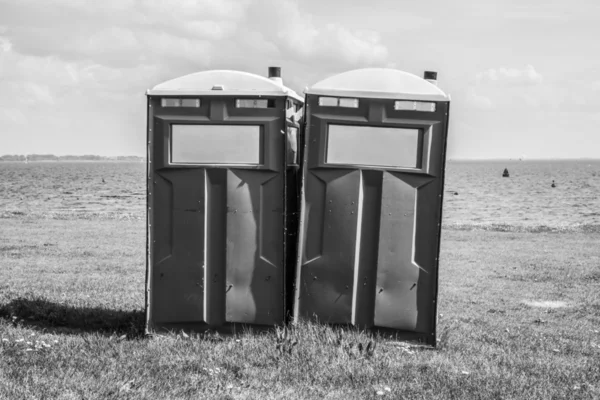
(519, 318)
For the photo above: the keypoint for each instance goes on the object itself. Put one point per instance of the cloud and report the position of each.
(516, 90)
(299, 37)
(510, 76)
(556, 96)
(114, 41)
(5, 45)
(187, 36)
(477, 101)
(35, 93)
(551, 12)
(67, 61)
(359, 47)
(13, 115)
(119, 33)
(520, 15)
(128, 33)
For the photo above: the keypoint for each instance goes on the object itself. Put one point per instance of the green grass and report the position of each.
(519, 318)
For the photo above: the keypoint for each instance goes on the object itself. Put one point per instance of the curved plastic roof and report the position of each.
(233, 82)
(379, 83)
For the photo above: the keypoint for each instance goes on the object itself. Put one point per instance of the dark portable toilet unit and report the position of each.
(221, 178)
(371, 202)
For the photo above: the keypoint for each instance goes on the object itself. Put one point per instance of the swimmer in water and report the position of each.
(553, 185)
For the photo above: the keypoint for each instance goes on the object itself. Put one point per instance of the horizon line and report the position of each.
(70, 155)
(523, 159)
(447, 159)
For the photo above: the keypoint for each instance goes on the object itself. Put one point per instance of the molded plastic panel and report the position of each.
(370, 225)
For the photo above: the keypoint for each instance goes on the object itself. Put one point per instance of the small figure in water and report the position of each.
(103, 180)
(553, 185)
(505, 173)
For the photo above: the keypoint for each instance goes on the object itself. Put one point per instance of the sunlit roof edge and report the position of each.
(202, 83)
(260, 93)
(378, 95)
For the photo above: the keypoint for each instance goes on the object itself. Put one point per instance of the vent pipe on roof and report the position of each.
(430, 76)
(275, 75)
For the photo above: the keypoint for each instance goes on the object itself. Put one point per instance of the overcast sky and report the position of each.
(524, 75)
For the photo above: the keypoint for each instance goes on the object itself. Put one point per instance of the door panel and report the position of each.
(217, 230)
(370, 233)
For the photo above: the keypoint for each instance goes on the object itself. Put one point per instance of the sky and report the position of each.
(523, 75)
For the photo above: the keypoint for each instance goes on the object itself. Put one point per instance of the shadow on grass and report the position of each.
(60, 318)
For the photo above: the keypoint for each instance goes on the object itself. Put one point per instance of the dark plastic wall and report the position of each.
(370, 236)
(217, 243)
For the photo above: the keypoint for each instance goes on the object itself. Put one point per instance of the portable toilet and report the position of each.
(371, 202)
(221, 180)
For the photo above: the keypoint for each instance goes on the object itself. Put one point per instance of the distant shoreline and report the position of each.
(54, 158)
(521, 160)
(54, 161)
(50, 158)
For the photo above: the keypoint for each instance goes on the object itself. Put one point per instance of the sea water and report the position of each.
(475, 192)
